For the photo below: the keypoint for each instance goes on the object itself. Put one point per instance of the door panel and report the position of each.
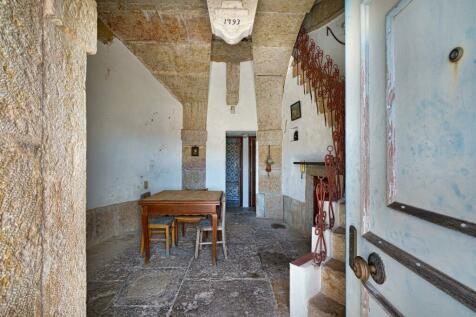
(414, 119)
(432, 118)
(234, 171)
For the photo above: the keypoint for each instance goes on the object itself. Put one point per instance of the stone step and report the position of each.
(322, 306)
(333, 280)
(338, 244)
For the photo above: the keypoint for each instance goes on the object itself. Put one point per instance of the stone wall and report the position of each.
(276, 26)
(43, 48)
(194, 133)
(298, 214)
(111, 221)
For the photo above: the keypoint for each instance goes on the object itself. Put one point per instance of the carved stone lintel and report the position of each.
(232, 20)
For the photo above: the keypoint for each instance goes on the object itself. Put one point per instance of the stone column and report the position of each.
(232, 83)
(194, 133)
(269, 91)
(43, 155)
(274, 33)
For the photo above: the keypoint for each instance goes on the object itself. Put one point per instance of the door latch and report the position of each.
(363, 269)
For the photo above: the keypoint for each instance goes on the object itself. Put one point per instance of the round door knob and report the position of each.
(361, 269)
(374, 268)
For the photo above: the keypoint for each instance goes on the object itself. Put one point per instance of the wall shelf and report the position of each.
(310, 163)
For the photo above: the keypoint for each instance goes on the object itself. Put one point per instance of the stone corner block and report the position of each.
(260, 205)
(273, 206)
(270, 183)
(193, 179)
(270, 137)
(78, 19)
(271, 61)
(194, 137)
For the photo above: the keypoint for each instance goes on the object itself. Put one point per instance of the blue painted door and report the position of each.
(233, 171)
(411, 156)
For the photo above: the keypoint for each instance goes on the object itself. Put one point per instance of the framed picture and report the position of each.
(195, 151)
(296, 111)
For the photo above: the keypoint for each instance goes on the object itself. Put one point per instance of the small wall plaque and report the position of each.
(296, 110)
(195, 151)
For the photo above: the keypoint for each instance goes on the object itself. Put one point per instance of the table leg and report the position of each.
(145, 232)
(214, 238)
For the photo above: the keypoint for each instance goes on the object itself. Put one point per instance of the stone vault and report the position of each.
(173, 40)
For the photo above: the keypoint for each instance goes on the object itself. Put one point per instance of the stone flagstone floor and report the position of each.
(252, 282)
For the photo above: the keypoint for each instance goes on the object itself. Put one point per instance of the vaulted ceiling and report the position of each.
(173, 39)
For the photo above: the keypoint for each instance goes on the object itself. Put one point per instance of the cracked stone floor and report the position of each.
(252, 282)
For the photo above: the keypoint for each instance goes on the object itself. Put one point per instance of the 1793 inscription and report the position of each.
(232, 22)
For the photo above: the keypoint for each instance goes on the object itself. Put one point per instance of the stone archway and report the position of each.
(277, 24)
(174, 41)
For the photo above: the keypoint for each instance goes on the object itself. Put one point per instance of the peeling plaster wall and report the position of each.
(134, 135)
(220, 119)
(43, 48)
(314, 136)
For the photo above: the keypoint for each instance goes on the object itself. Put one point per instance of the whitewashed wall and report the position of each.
(314, 136)
(220, 120)
(133, 127)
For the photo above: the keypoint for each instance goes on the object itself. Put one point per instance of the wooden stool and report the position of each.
(160, 225)
(187, 219)
(184, 220)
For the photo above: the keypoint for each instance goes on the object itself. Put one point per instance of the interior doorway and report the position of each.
(241, 169)
(252, 172)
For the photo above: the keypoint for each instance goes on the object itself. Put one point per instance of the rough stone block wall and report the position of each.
(21, 181)
(297, 215)
(300, 215)
(194, 133)
(106, 222)
(43, 48)
(274, 34)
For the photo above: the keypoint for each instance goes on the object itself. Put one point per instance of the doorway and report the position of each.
(241, 169)
(234, 171)
(252, 172)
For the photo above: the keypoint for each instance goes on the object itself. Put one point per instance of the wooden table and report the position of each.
(179, 203)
